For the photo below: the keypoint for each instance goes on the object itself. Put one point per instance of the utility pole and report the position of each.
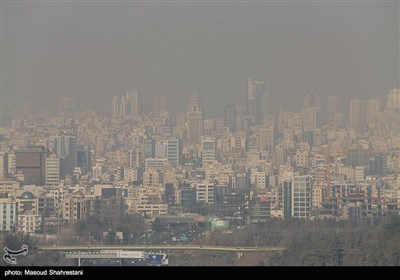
(58, 225)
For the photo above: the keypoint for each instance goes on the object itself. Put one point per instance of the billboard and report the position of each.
(157, 260)
(219, 224)
(131, 254)
(200, 219)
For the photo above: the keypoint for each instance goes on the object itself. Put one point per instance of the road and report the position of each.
(162, 248)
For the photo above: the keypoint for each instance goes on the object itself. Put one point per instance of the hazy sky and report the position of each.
(97, 50)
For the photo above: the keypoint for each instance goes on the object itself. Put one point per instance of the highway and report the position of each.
(162, 247)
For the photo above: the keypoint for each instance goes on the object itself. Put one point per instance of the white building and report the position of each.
(302, 196)
(208, 149)
(205, 192)
(8, 218)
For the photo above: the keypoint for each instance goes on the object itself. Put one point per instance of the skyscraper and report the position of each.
(208, 148)
(393, 99)
(309, 116)
(230, 117)
(195, 117)
(135, 103)
(65, 147)
(52, 170)
(67, 104)
(119, 106)
(357, 114)
(3, 165)
(332, 108)
(159, 104)
(84, 159)
(311, 111)
(267, 139)
(257, 99)
(31, 162)
(312, 100)
(148, 148)
(174, 151)
(287, 197)
(302, 197)
(373, 109)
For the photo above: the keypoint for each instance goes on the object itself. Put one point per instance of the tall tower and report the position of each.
(267, 139)
(119, 106)
(52, 170)
(65, 147)
(309, 116)
(159, 104)
(302, 196)
(67, 104)
(393, 99)
(332, 108)
(195, 117)
(174, 151)
(287, 197)
(311, 111)
(257, 99)
(312, 100)
(135, 104)
(230, 117)
(357, 114)
(208, 148)
(373, 109)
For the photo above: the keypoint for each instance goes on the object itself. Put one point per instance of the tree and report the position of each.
(157, 225)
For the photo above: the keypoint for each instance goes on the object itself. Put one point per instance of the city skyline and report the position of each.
(153, 133)
(172, 49)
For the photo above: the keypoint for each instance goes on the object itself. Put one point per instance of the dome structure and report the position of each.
(27, 195)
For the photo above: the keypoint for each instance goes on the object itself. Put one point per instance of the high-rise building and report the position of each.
(309, 116)
(357, 114)
(52, 170)
(205, 192)
(373, 109)
(135, 103)
(302, 196)
(65, 147)
(67, 104)
(257, 99)
(8, 217)
(195, 118)
(148, 148)
(160, 150)
(174, 151)
(32, 163)
(3, 165)
(311, 111)
(332, 108)
(287, 198)
(159, 104)
(84, 159)
(240, 182)
(267, 139)
(393, 99)
(208, 148)
(119, 106)
(312, 100)
(230, 117)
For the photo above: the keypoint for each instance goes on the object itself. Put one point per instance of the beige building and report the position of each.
(29, 223)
